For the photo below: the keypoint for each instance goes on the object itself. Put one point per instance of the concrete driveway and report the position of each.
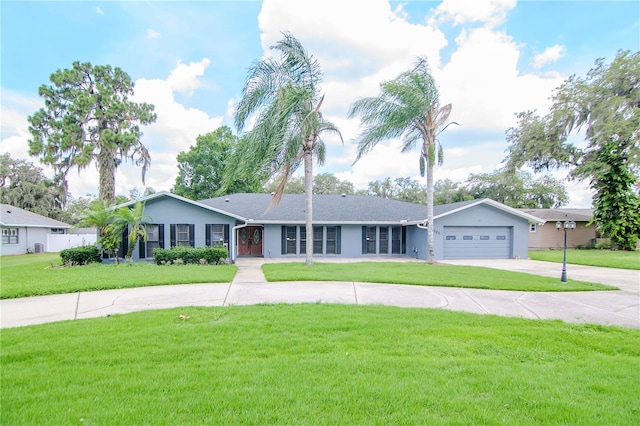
(250, 287)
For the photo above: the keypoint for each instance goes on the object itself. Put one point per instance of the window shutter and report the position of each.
(225, 235)
(161, 234)
(283, 241)
(364, 240)
(192, 229)
(142, 249)
(207, 235)
(338, 240)
(172, 230)
(124, 247)
(404, 240)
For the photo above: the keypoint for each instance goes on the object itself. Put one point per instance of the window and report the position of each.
(533, 227)
(333, 240)
(58, 231)
(484, 237)
(318, 239)
(450, 237)
(288, 240)
(326, 239)
(369, 239)
(10, 236)
(153, 240)
(216, 234)
(383, 238)
(501, 237)
(303, 240)
(182, 235)
(396, 240)
(467, 237)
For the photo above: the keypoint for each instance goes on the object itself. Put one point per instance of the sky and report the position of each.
(490, 58)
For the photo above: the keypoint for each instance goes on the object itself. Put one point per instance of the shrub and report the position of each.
(189, 255)
(80, 255)
(605, 244)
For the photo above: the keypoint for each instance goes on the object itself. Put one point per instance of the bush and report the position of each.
(189, 255)
(80, 255)
(605, 244)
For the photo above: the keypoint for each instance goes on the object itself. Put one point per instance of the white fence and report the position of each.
(57, 242)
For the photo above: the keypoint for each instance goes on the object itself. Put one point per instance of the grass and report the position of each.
(423, 274)
(604, 258)
(316, 365)
(33, 274)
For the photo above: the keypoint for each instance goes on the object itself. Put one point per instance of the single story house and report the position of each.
(27, 232)
(343, 226)
(547, 236)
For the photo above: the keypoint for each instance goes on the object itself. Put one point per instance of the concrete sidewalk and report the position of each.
(250, 287)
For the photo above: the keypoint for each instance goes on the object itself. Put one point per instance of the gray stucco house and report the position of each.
(344, 226)
(24, 231)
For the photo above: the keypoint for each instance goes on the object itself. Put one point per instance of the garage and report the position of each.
(478, 242)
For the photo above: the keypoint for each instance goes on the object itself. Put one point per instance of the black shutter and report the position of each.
(142, 249)
(338, 239)
(161, 234)
(192, 229)
(124, 247)
(283, 241)
(364, 240)
(225, 234)
(207, 235)
(404, 240)
(172, 230)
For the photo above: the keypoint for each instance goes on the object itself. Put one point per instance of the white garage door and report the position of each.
(477, 242)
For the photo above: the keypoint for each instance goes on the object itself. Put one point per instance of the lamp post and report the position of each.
(567, 224)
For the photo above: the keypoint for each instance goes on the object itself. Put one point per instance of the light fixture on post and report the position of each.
(567, 224)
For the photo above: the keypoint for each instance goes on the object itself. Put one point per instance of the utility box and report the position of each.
(39, 248)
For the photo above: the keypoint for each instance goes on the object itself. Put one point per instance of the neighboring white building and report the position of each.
(27, 232)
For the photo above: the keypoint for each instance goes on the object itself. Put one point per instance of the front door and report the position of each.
(250, 241)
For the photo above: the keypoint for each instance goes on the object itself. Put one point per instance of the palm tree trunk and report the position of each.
(430, 249)
(308, 194)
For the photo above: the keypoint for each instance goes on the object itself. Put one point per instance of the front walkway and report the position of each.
(249, 287)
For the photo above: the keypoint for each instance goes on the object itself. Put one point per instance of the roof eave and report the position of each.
(186, 200)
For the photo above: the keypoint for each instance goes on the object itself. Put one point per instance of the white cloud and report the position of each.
(184, 78)
(99, 11)
(549, 56)
(361, 33)
(151, 34)
(360, 44)
(484, 85)
(490, 12)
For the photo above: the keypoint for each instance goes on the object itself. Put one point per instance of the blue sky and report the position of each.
(491, 59)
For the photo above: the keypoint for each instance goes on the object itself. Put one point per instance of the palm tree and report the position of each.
(283, 96)
(135, 220)
(408, 108)
(100, 215)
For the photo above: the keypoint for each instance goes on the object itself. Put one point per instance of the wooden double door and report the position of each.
(250, 241)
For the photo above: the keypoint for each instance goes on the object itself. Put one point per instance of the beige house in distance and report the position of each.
(544, 237)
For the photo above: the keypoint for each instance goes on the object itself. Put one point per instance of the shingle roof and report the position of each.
(341, 209)
(579, 215)
(326, 208)
(15, 216)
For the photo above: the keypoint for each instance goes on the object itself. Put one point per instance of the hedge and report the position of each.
(80, 255)
(184, 255)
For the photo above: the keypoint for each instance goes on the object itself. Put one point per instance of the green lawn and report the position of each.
(422, 274)
(38, 274)
(605, 258)
(319, 364)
